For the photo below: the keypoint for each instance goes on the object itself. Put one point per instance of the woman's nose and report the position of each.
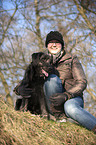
(54, 44)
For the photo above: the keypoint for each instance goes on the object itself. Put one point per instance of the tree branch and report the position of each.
(11, 18)
(81, 11)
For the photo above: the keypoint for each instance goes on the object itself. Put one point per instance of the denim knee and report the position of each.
(71, 107)
(52, 85)
(54, 78)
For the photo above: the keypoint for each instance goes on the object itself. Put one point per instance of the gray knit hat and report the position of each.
(54, 35)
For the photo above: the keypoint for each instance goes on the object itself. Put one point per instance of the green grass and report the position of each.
(24, 128)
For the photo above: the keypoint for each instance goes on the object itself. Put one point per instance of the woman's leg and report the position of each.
(52, 86)
(74, 109)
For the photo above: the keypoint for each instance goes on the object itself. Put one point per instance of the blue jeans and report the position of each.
(73, 108)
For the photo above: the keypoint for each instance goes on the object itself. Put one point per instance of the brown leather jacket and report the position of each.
(72, 75)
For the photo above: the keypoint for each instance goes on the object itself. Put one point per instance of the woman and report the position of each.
(68, 89)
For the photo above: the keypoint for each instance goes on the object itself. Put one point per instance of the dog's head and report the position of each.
(40, 57)
(42, 65)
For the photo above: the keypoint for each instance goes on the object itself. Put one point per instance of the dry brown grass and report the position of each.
(23, 128)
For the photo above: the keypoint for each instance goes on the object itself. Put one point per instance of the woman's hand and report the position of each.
(58, 99)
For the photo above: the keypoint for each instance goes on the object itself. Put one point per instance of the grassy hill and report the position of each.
(24, 128)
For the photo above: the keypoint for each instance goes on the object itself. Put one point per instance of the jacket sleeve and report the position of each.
(79, 79)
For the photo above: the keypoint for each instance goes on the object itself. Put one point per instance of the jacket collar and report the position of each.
(66, 56)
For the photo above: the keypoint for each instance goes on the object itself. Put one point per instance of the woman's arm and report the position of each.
(79, 79)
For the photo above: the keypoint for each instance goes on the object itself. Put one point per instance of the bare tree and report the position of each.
(4, 32)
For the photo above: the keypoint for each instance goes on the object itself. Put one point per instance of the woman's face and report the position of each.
(54, 46)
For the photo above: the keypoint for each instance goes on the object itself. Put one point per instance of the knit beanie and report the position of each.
(54, 35)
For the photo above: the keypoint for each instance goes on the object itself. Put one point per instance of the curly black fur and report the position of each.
(31, 87)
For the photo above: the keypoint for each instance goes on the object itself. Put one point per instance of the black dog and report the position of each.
(31, 87)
